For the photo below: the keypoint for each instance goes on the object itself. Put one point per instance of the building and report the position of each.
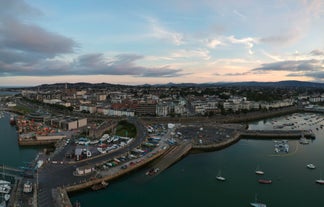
(145, 109)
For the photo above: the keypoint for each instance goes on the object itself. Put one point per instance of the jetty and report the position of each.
(172, 156)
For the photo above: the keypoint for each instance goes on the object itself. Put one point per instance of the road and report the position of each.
(54, 175)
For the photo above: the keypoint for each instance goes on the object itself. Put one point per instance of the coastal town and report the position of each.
(93, 134)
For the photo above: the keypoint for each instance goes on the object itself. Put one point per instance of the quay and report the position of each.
(113, 175)
(32, 142)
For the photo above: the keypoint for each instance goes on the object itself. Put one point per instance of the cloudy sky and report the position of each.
(148, 41)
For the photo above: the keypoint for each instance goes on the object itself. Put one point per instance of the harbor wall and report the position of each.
(217, 146)
(33, 142)
(108, 178)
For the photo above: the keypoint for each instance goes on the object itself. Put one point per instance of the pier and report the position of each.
(172, 156)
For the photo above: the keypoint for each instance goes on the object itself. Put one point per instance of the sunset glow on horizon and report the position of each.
(139, 42)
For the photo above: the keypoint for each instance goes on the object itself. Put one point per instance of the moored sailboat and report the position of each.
(258, 171)
(257, 204)
(220, 177)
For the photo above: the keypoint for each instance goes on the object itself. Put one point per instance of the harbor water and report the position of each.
(192, 181)
(10, 152)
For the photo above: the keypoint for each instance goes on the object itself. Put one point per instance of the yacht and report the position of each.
(257, 204)
(311, 166)
(264, 181)
(5, 189)
(6, 197)
(258, 171)
(220, 177)
(3, 182)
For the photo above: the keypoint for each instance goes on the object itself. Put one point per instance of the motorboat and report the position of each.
(5, 189)
(259, 172)
(320, 181)
(6, 197)
(2, 182)
(220, 177)
(303, 140)
(265, 181)
(99, 186)
(311, 166)
(257, 204)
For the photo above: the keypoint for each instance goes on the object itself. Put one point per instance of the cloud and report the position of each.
(292, 65)
(236, 74)
(163, 33)
(317, 52)
(191, 54)
(284, 38)
(89, 64)
(24, 45)
(16, 8)
(18, 36)
(239, 14)
(212, 43)
(247, 41)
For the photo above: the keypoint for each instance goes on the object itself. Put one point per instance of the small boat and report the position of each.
(257, 204)
(258, 171)
(100, 186)
(5, 189)
(152, 171)
(311, 166)
(320, 181)
(2, 182)
(6, 197)
(220, 177)
(303, 141)
(265, 181)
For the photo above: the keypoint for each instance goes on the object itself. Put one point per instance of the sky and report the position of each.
(155, 42)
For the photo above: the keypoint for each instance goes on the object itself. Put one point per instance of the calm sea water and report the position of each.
(192, 182)
(10, 153)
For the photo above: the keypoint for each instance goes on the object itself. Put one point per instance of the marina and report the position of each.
(176, 152)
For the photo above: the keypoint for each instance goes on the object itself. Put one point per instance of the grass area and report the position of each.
(23, 109)
(125, 128)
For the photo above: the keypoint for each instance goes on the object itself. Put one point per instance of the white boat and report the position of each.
(220, 177)
(320, 181)
(258, 171)
(2, 182)
(257, 204)
(6, 197)
(303, 141)
(5, 189)
(311, 166)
